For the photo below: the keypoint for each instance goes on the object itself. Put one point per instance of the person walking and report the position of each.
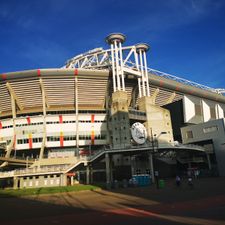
(190, 182)
(157, 178)
(178, 181)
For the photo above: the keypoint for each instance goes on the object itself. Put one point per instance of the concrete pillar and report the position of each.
(132, 164)
(78, 176)
(151, 166)
(71, 180)
(87, 174)
(158, 120)
(91, 175)
(209, 162)
(111, 170)
(63, 180)
(15, 182)
(120, 122)
(108, 170)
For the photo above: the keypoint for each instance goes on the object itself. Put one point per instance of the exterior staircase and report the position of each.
(64, 165)
(52, 165)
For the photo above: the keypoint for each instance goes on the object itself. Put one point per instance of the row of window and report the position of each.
(53, 122)
(26, 141)
(189, 134)
(74, 121)
(37, 177)
(79, 111)
(57, 138)
(65, 112)
(210, 129)
(9, 126)
(36, 180)
(136, 112)
(199, 111)
(26, 124)
(81, 137)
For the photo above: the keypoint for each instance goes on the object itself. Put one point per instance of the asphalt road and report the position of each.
(202, 205)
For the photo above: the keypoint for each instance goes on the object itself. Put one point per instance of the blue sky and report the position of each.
(187, 37)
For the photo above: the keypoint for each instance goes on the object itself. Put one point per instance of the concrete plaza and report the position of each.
(202, 205)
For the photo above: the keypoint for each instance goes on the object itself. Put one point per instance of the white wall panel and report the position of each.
(209, 110)
(6, 132)
(206, 111)
(189, 106)
(219, 111)
(189, 109)
(223, 107)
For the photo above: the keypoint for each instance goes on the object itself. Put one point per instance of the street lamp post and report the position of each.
(151, 158)
(151, 154)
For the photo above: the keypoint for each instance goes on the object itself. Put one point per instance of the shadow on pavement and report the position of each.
(205, 204)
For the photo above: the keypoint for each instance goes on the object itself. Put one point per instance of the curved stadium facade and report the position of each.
(76, 121)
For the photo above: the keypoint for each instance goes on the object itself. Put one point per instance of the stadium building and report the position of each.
(106, 116)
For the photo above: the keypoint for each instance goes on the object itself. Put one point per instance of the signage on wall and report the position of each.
(139, 133)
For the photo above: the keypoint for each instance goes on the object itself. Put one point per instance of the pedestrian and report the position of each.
(196, 173)
(189, 173)
(157, 178)
(190, 182)
(178, 181)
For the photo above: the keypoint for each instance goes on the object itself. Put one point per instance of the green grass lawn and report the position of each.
(46, 190)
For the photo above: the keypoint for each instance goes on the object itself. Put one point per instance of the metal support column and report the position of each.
(209, 161)
(121, 66)
(115, 40)
(117, 64)
(13, 107)
(143, 83)
(139, 79)
(44, 122)
(108, 170)
(150, 157)
(91, 175)
(113, 69)
(146, 73)
(142, 73)
(88, 174)
(77, 116)
(132, 160)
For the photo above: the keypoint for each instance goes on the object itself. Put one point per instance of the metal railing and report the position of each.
(7, 174)
(189, 146)
(89, 158)
(136, 114)
(43, 169)
(101, 59)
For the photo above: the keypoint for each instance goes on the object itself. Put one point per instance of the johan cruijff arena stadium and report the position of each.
(107, 116)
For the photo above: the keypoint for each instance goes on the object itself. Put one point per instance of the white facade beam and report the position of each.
(12, 93)
(113, 68)
(117, 65)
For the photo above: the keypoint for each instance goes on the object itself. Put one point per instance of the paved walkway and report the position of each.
(202, 205)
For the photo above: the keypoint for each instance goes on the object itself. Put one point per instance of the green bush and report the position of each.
(45, 190)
